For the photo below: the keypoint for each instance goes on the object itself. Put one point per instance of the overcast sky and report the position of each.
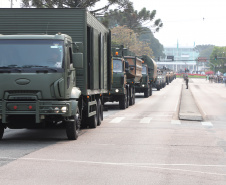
(187, 21)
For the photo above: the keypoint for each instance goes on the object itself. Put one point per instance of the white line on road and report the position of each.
(208, 124)
(146, 120)
(139, 165)
(117, 120)
(176, 122)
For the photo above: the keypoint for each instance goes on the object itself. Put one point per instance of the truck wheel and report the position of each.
(93, 121)
(150, 90)
(1, 131)
(134, 96)
(146, 92)
(99, 112)
(73, 126)
(128, 99)
(131, 94)
(158, 88)
(123, 102)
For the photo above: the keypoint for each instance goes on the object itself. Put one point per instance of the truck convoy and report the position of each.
(55, 65)
(126, 72)
(149, 72)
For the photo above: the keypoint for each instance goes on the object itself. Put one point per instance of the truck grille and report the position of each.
(22, 95)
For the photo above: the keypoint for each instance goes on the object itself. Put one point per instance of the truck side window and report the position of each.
(70, 57)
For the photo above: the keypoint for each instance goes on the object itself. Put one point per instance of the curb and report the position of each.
(204, 116)
(176, 114)
(190, 116)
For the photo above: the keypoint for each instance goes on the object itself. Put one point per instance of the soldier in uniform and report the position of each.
(186, 80)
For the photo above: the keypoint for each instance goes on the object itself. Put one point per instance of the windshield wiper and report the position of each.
(30, 66)
(9, 66)
(41, 70)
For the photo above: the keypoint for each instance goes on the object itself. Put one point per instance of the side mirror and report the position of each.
(77, 55)
(126, 65)
(77, 60)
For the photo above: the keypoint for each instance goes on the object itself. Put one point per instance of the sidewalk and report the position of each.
(188, 109)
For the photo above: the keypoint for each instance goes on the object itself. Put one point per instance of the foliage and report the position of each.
(131, 18)
(220, 63)
(147, 36)
(121, 35)
(76, 4)
(135, 20)
(204, 50)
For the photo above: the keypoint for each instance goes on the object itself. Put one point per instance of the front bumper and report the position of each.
(37, 108)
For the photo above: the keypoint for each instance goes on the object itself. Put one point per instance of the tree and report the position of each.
(147, 36)
(220, 63)
(135, 20)
(132, 19)
(76, 3)
(204, 50)
(121, 35)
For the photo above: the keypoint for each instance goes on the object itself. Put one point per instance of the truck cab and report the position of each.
(37, 80)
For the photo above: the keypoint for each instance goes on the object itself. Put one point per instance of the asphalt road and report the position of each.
(144, 144)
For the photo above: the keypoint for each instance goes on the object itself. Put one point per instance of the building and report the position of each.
(183, 58)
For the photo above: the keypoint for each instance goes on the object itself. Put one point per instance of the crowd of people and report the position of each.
(216, 78)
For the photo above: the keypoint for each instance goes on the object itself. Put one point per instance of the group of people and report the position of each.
(216, 78)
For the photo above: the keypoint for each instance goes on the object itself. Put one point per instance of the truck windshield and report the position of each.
(144, 70)
(31, 53)
(117, 66)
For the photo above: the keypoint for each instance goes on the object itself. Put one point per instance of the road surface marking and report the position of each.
(117, 120)
(208, 124)
(146, 120)
(138, 165)
(176, 122)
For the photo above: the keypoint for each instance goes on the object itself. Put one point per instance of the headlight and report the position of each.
(64, 109)
(56, 110)
(116, 90)
(142, 85)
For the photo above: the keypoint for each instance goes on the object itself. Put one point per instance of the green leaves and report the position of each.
(126, 4)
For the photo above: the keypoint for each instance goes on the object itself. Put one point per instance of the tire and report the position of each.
(158, 88)
(123, 102)
(73, 127)
(146, 92)
(92, 121)
(2, 129)
(150, 90)
(128, 98)
(132, 96)
(99, 112)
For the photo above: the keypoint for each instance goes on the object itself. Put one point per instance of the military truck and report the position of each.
(126, 72)
(160, 82)
(55, 65)
(143, 86)
(146, 86)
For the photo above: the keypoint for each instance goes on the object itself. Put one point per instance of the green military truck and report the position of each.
(55, 66)
(126, 72)
(144, 84)
(161, 80)
(148, 80)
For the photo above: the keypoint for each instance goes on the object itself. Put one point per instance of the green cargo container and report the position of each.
(85, 74)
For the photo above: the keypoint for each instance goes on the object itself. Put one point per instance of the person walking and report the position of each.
(186, 81)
